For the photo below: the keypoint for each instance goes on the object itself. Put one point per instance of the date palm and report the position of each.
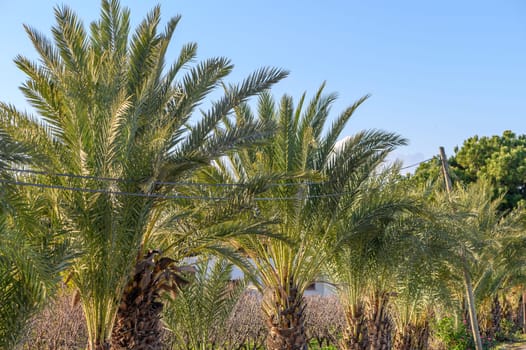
(31, 254)
(423, 284)
(108, 107)
(366, 269)
(475, 228)
(310, 177)
(509, 262)
(199, 314)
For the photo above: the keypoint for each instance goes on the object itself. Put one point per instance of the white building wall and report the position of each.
(322, 289)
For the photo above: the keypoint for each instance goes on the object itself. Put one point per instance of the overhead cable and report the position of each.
(167, 183)
(161, 196)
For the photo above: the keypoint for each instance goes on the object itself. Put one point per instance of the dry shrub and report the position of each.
(246, 328)
(59, 326)
(324, 319)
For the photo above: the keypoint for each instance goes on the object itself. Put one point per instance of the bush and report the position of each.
(451, 337)
(458, 338)
(324, 320)
(60, 326)
(245, 327)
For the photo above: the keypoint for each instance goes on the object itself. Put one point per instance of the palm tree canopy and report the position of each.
(313, 175)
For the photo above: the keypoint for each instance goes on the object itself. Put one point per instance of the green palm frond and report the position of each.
(11, 151)
(70, 39)
(144, 50)
(258, 81)
(32, 258)
(110, 33)
(337, 126)
(198, 315)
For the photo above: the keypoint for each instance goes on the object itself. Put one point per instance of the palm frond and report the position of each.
(143, 50)
(70, 38)
(199, 313)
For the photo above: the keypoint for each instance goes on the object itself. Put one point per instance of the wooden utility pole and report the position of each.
(467, 275)
(445, 170)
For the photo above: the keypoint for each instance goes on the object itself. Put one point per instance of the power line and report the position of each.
(416, 164)
(169, 183)
(96, 190)
(161, 196)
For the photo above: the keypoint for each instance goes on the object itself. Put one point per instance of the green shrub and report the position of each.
(453, 338)
(458, 338)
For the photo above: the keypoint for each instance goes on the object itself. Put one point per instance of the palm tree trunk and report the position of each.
(355, 335)
(403, 338)
(138, 319)
(138, 325)
(378, 322)
(285, 319)
(496, 313)
(413, 337)
(472, 310)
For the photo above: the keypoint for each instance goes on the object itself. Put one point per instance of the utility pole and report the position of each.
(467, 275)
(445, 170)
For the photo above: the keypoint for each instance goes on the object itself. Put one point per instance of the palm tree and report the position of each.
(422, 285)
(111, 114)
(367, 269)
(309, 176)
(205, 222)
(31, 254)
(474, 225)
(197, 317)
(509, 260)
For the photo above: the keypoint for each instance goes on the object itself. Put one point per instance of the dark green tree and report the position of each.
(498, 159)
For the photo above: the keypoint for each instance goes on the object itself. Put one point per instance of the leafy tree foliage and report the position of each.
(499, 159)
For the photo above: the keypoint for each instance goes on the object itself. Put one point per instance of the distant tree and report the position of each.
(498, 159)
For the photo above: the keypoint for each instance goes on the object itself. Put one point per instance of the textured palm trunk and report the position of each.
(138, 324)
(496, 314)
(354, 336)
(379, 325)
(285, 319)
(413, 337)
(403, 338)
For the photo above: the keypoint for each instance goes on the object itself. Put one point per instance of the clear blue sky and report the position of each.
(438, 71)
